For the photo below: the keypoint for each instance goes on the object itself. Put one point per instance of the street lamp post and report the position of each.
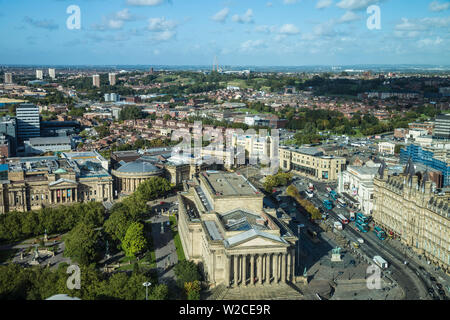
(146, 285)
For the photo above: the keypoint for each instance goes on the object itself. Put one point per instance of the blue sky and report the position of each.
(255, 32)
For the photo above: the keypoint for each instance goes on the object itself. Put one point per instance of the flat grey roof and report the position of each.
(230, 184)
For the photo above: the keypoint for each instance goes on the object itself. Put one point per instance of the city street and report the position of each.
(410, 277)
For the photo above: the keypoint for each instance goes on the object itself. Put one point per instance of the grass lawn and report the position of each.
(7, 255)
(176, 238)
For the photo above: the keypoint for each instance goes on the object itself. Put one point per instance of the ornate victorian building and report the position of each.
(407, 206)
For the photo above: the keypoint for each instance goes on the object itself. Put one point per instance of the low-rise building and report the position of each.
(37, 146)
(311, 163)
(36, 182)
(386, 147)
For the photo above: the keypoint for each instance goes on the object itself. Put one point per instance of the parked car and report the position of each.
(432, 279)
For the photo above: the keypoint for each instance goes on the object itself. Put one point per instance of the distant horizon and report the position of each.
(284, 33)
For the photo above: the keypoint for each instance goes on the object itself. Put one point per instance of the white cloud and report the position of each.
(144, 2)
(429, 42)
(349, 16)
(290, 1)
(124, 15)
(265, 29)
(289, 29)
(162, 29)
(161, 24)
(163, 35)
(322, 4)
(251, 45)
(222, 15)
(436, 6)
(356, 4)
(269, 4)
(246, 18)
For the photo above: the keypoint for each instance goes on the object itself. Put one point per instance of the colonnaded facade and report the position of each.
(224, 227)
(36, 182)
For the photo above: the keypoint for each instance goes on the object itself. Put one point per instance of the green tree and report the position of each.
(81, 243)
(134, 241)
(186, 271)
(192, 290)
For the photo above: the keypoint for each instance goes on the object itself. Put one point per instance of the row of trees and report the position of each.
(307, 205)
(18, 283)
(277, 180)
(16, 226)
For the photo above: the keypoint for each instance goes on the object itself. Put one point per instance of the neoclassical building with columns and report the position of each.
(35, 182)
(224, 227)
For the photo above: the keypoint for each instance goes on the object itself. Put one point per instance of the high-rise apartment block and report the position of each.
(28, 121)
(52, 73)
(8, 78)
(112, 79)
(96, 80)
(39, 74)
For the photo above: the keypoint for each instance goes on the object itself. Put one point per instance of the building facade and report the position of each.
(36, 182)
(406, 207)
(112, 79)
(28, 121)
(442, 127)
(224, 228)
(8, 78)
(386, 148)
(311, 163)
(357, 182)
(435, 158)
(96, 80)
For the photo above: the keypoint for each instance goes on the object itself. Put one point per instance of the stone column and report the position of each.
(76, 194)
(268, 268)
(227, 271)
(260, 267)
(275, 268)
(289, 268)
(235, 276)
(244, 271)
(252, 269)
(283, 268)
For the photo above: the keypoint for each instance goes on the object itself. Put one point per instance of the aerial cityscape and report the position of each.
(225, 151)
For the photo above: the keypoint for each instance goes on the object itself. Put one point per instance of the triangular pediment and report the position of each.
(63, 182)
(259, 242)
(255, 238)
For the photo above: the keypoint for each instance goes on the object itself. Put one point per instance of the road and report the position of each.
(407, 276)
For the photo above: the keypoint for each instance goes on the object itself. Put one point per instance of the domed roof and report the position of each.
(138, 167)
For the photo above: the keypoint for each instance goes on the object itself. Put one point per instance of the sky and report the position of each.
(245, 32)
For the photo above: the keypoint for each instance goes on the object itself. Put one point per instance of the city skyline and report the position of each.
(263, 33)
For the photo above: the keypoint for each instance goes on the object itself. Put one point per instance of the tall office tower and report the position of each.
(28, 121)
(442, 126)
(96, 80)
(8, 78)
(52, 73)
(8, 128)
(39, 74)
(112, 79)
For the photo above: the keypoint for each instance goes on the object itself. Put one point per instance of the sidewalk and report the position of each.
(165, 251)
